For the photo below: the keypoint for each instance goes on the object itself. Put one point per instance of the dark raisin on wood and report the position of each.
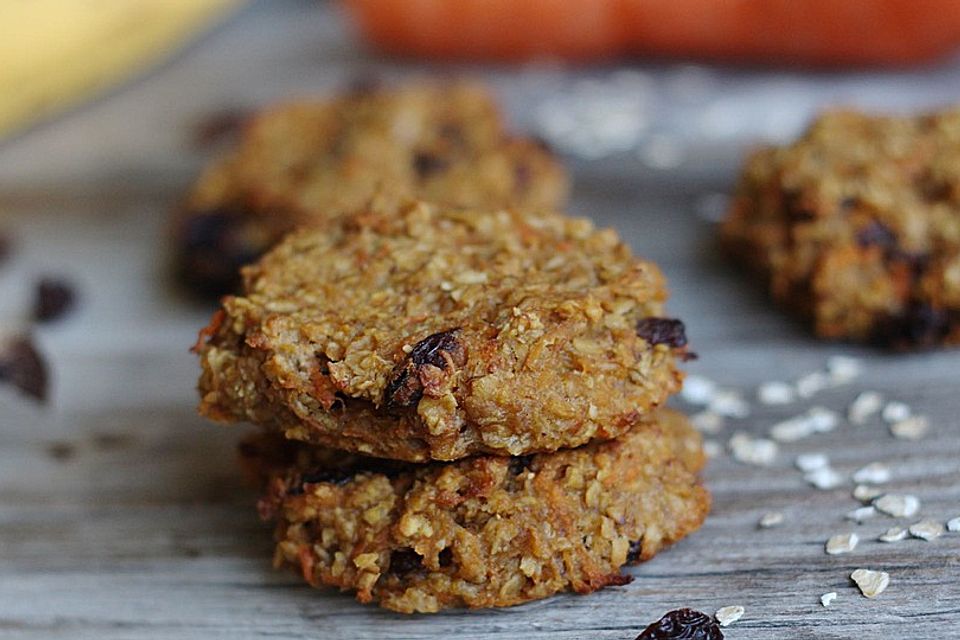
(667, 331)
(442, 350)
(53, 298)
(404, 561)
(683, 624)
(213, 245)
(427, 164)
(634, 551)
(876, 234)
(61, 451)
(22, 366)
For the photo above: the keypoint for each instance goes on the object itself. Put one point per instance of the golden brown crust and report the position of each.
(857, 226)
(419, 332)
(482, 532)
(306, 161)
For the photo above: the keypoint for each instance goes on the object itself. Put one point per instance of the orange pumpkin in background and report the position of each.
(809, 32)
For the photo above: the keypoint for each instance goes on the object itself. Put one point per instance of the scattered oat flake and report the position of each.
(953, 525)
(893, 534)
(873, 473)
(812, 384)
(816, 420)
(827, 598)
(730, 404)
(866, 493)
(812, 461)
(712, 448)
(707, 422)
(698, 390)
(771, 519)
(824, 478)
(871, 583)
(755, 451)
(862, 513)
(926, 530)
(842, 543)
(774, 393)
(898, 506)
(728, 615)
(864, 406)
(912, 428)
(896, 411)
(823, 419)
(844, 369)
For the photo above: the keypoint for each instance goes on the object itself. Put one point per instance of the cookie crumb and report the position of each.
(842, 543)
(871, 583)
(893, 534)
(864, 406)
(828, 598)
(776, 393)
(912, 428)
(728, 615)
(771, 519)
(898, 506)
(873, 473)
(926, 530)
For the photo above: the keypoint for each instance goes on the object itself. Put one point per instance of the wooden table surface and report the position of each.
(122, 514)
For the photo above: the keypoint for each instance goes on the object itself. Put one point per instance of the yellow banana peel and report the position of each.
(56, 53)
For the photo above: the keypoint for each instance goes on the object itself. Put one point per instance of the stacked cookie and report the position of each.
(459, 404)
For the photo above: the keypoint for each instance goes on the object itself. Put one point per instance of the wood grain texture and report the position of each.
(122, 514)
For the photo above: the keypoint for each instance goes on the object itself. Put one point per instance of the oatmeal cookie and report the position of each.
(857, 226)
(483, 532)
(299, 162)
(423, 332)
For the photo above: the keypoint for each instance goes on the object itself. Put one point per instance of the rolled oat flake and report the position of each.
(871, 583)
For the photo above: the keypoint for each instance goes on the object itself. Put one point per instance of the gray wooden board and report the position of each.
(144, 528)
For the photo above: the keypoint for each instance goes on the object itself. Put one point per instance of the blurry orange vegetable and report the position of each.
(818, 32)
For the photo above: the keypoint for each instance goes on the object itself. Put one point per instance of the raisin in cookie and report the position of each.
(421, 332)
(299, 162)
(857, 226)
(484, 532)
